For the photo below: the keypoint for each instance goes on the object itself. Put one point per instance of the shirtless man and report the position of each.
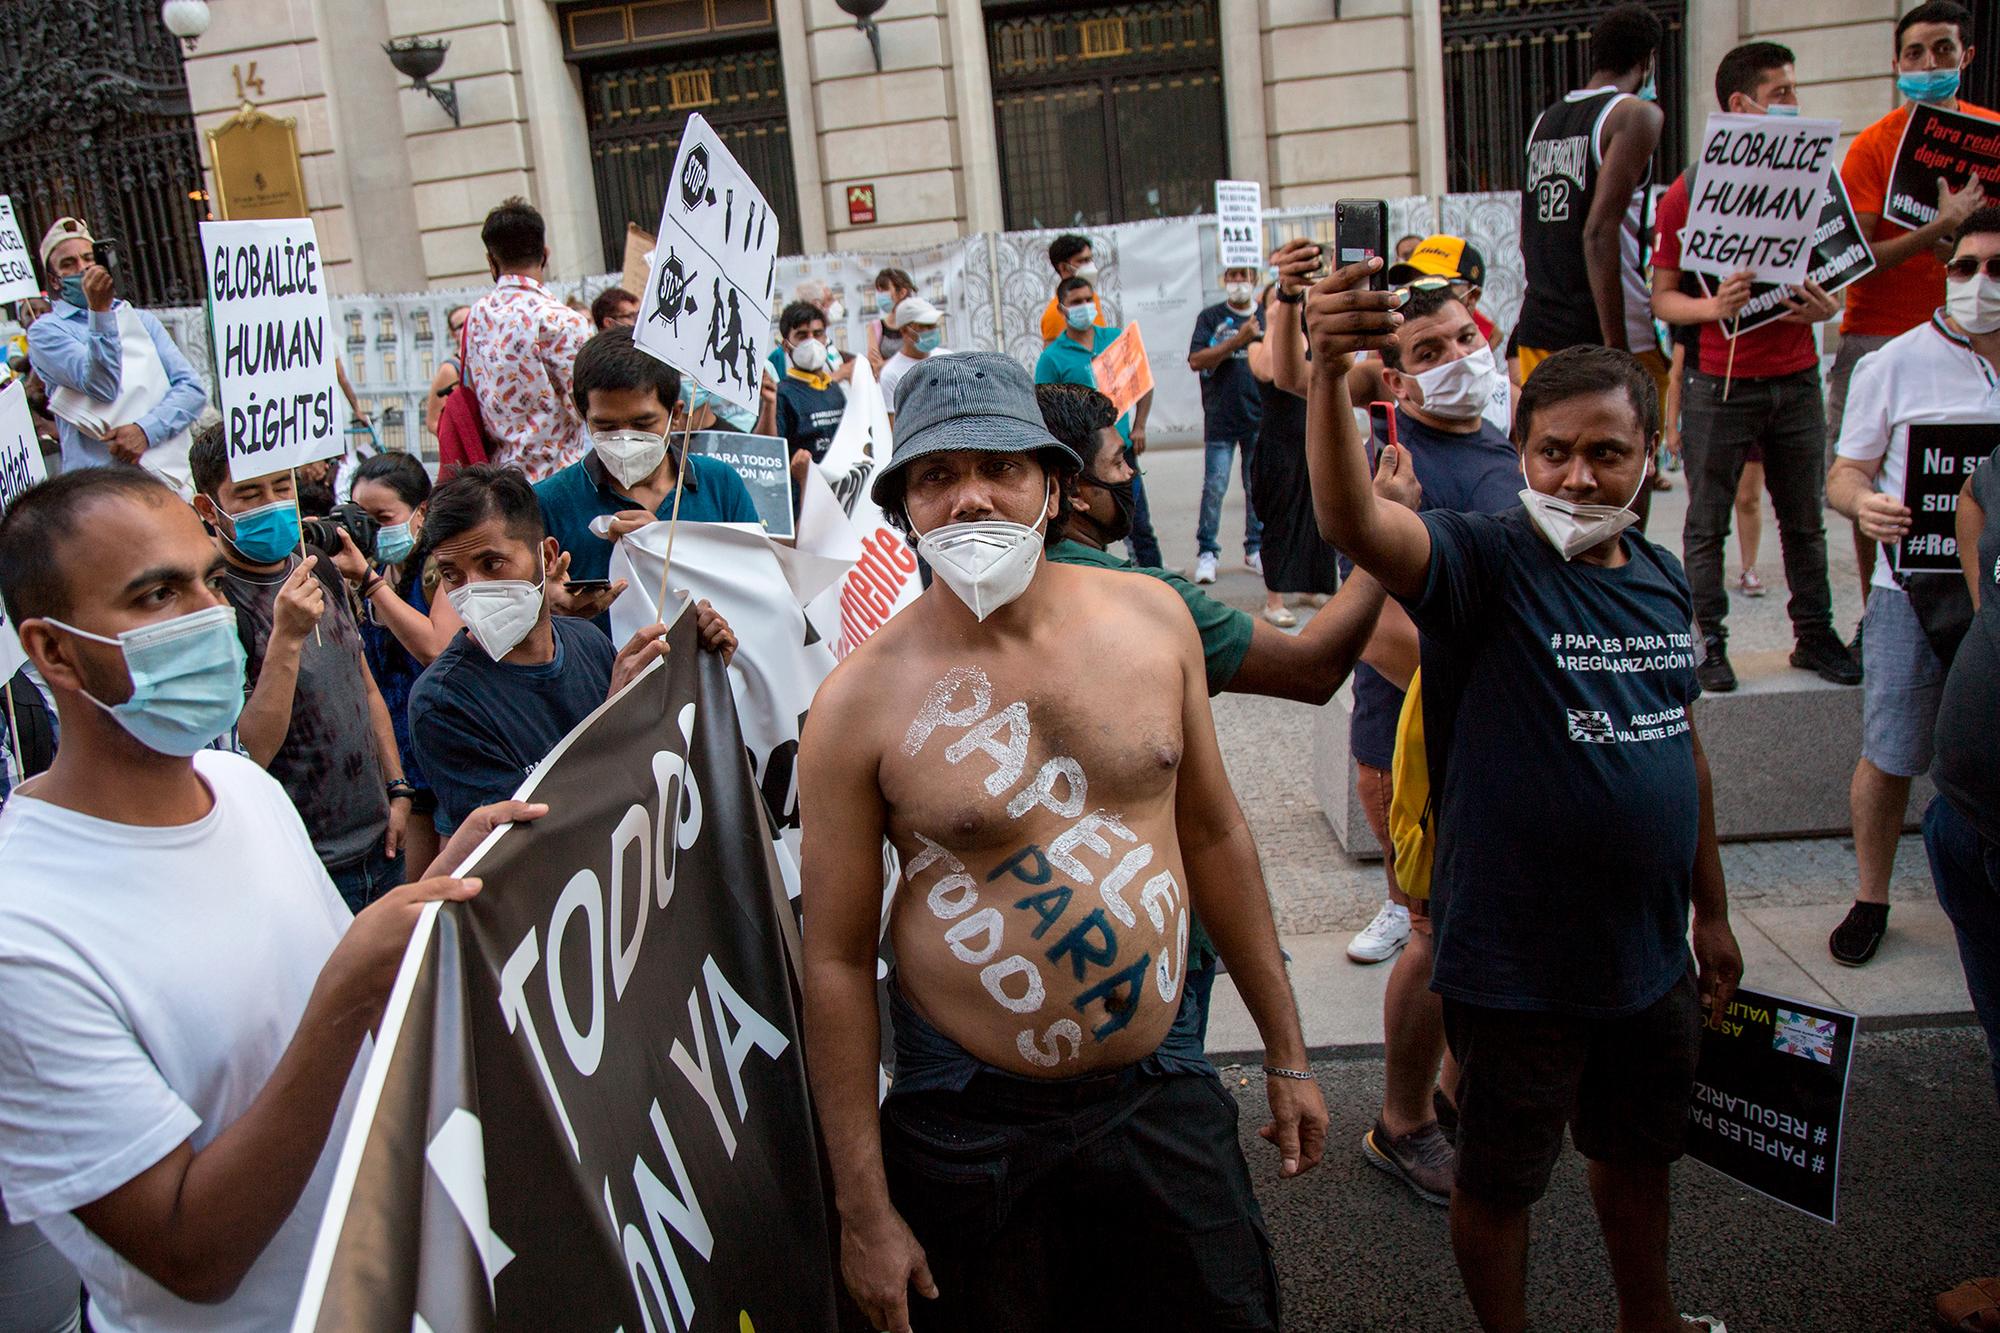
(1035, 741)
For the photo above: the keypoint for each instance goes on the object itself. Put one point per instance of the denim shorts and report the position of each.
(1901, 682)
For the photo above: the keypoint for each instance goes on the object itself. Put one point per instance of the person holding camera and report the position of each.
(121, 389)
(313, 716)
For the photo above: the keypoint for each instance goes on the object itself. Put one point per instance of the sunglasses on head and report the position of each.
(1966, 268)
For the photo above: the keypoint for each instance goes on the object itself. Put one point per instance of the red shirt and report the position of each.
(1765, 352)
(1895, 300)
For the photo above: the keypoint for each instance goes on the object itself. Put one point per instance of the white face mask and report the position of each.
(1572, 528)
(1239, 294)
(1458, 390)
(809, 356)
(1086, 270)
(629, 455)
(986, 564)
(499, 613)
(1974, 306)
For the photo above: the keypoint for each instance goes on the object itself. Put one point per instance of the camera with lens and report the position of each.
(323, 534)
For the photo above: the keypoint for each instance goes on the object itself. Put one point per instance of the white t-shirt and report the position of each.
(1928, 374)
(898, 366)
(150, 980)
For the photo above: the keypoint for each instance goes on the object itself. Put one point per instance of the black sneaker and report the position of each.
(1715, 673)
(1823, 654)
(1422, 1159)
(1855, 940)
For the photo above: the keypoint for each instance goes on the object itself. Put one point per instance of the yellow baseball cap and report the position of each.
(1441, 256)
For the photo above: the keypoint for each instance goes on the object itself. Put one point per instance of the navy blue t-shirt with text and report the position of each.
(1557, 700)
(1230, 403)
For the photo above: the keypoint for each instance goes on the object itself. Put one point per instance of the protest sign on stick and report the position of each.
(1755, 196)
(1941, 455)
(838, 521)
(1770, 1094)
(586, 1106)
(21, 466)
(1939, 145)
(764, 463)
(274, 345)
(1840, 255)
(1121, 370)
(706, 309)
(1239, 224)
(17, 269)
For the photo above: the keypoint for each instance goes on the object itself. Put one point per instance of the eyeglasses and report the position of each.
(1967, 268)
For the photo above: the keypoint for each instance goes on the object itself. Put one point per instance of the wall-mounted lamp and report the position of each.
(185, 19)
(864, 12)
(417, 58)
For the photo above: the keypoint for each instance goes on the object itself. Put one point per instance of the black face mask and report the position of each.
(1120, 527)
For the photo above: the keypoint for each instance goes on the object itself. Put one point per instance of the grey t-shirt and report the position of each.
(327, 763)
(1967, 770)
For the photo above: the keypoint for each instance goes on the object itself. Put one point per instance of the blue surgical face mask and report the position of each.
(1649, 91)
(1079, 316)
(929, 342)
(267, 534)
(394, 543)
(1928, 85)
(884, 302)
(1781, 109)
(71, 289)
(187, 679)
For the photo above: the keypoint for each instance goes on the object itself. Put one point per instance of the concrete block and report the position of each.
(1329, 192)
(1917, 971)
(486, 100)
(907, 43)
(485, 49)
(1336, 48)
(1855, 103)
(1303, 13)
(826, 14)
(1826, 53)
(1341, 155)
(1340, 102)
(1781, 751)
(443, 154)
(908, 237)
(455, 253)
(1771, 19)
(287, 72)
(924, 196)
(249, 29)
(413, 17)
(1340, 1002)
(863, 154)
(881, 99)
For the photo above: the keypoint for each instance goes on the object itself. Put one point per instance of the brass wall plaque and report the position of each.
(256, 162)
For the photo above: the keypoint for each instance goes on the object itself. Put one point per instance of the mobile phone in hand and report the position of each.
(1361, 232)
(588, 586)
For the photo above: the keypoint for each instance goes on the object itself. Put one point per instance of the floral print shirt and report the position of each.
(520, 350)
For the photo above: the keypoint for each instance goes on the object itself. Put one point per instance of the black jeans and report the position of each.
(1783, 415)
(1115, 1202)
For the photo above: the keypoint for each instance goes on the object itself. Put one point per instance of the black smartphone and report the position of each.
(588, 586)
(1361, 231)
(105, 253)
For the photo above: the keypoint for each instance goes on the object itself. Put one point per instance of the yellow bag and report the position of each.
(1410, 831)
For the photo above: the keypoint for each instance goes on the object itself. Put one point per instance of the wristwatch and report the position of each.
(399, 789)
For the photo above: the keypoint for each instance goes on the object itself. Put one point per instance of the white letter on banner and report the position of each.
(664, 1209)
(639, 1263)
(584, 894)
(753, 1029)
(632, 829)
(682, 806)
(514, 1008)
(700, 1073)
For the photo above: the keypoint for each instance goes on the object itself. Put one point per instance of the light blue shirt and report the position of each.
(78, 349)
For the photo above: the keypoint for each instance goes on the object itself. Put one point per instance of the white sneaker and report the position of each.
(1254, 562)
(1204, 568)
(1379, 940)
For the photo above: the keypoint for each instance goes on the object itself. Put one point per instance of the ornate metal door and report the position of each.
(1507, 60)
(95, 123)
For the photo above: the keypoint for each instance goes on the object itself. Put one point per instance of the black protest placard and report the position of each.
(765, 464)
(1840, 255)
(1769, 1097)
(1939, 145)
(587, 1104)
(1939, 457)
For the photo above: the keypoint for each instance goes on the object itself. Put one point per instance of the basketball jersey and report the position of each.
(1565, 154)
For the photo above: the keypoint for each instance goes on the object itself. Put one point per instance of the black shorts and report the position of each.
(1621, 1085)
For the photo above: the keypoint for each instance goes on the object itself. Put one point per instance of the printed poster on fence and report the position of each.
(1939, 145)
(274, 346)
(706, 309)
(1940, 456)
(17, 268)
(586, 1107)
(1840, 255)
(765, 464)
(1121, 370)
(1239, 224)
(1769, 1097)
(1755, 196)
(21, 466)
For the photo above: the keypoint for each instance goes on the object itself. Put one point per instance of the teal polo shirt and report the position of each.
(584, 490)
(1225, 631)
(1065, 362)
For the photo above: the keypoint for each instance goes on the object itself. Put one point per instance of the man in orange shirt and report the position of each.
(1070, 257)
(1933, 49)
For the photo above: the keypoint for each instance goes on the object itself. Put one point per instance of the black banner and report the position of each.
(1769, 1096)
(1941, 455)
(1939, 145)
(1840, 255)
(587, 1109)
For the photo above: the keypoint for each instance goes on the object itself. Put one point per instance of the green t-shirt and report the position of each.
(1225, 631)
(1065, 362)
